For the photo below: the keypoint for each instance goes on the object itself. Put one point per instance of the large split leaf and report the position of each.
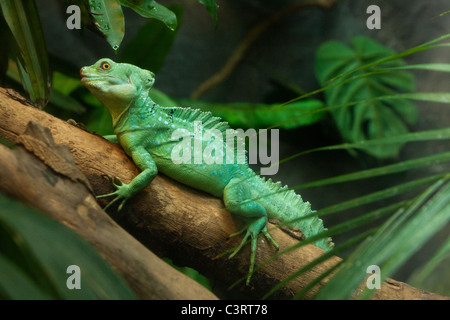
(35, 253)
(369, 118)
(32, 60)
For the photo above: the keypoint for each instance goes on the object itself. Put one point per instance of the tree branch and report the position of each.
(173, 220)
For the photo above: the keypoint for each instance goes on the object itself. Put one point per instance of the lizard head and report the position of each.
(116, 85)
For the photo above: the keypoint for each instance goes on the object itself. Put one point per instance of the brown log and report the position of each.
(186, 225)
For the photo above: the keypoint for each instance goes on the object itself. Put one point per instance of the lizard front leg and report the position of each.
(111, 138)
(144, 161)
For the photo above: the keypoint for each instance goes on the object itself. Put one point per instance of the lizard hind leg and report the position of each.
(236, 198)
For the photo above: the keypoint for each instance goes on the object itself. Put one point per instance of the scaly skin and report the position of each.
(144, 130)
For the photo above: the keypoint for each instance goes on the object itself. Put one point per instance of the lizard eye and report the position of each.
(105, 65)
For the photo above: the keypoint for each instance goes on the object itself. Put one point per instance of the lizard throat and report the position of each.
(117, 115)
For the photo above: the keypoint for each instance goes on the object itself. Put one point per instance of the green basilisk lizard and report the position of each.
(145, 131)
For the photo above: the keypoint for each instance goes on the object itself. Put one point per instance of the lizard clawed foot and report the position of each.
(269, 237)
(122, 193)
(253, 230)
(238, 233)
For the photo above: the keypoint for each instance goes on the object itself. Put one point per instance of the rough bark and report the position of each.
(186, 225)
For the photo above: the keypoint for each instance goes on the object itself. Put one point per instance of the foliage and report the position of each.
(33, 265)
(30, 51)
(252, 115)
(410, 222)
(152, 40)
(104, 17)
(369, 118)
(394, 242)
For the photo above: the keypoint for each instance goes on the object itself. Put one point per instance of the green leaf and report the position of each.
(335, 251)
(15, 284)
(151, 44)
(109, 20)
(162, 99)
(437, 134)
(211, 6)
(425, 46)
(420, 277)
(152, 9)
(23, 20)
(36, 252)
(370, 118)
(379, 195)
(360, 221)
(64, 83)
(384, 170)
(393, 243)
(191, 273)
(98, 118)
(444, 13)
(252, 115)
(258, 115)
(444, 67)
(5, 38)
(63, 86)
(438, 97)
(66, 102)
